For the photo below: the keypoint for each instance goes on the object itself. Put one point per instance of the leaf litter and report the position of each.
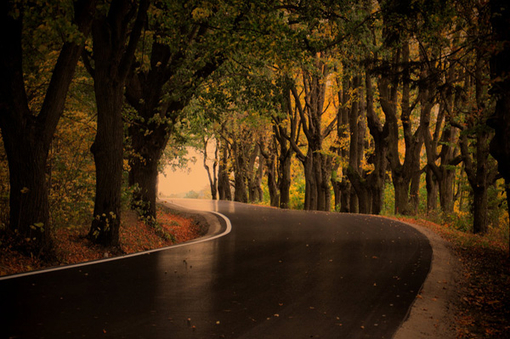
(72, 246)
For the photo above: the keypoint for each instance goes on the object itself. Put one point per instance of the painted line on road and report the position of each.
(100, 261)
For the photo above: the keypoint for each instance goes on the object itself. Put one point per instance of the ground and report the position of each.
(478, 268)
(475, 278)
(72, 246)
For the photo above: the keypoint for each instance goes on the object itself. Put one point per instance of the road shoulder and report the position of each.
(432, 313)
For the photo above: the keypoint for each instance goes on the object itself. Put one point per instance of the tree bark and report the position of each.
(213, 178)
(317, 193)
(27, 137)
(284, 177)
(499, 69)
(240, 179)
(254, 174)
(270, 164)
(284, 134)
(115, 38)
(432, 190)
(402, 173)
(224, 192)
(379, 132)
(341, 184)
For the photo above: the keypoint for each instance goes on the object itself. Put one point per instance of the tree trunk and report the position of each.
(414, 192)
(480, 207)
(108, 157)
(446, 190)
(284, 178)
(214, 183)
(259, 192)
(360, 187)
(402, 173)
(317, 186)
(477, 170)
(480, 210)
(213, 178)
(115, 38)
(401, 188)
(28, 202)
(310, 185)
(143, 175)
(432, 190)
(499, 69)
(224, 191)
(27, 137)
(271, 180)
(253, 175)
(147, 149)
(240, 179)
(147, 92)
(327, 167)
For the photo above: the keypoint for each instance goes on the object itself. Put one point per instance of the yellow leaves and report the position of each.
(200, 14)
(125, 165)
(38, 226)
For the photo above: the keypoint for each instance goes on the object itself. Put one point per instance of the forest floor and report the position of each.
(482, 298)
(72, 246)
(482, 305)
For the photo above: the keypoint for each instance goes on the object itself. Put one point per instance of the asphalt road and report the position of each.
(277, 274)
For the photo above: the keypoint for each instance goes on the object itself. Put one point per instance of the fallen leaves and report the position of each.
(71, 245)
(483, 289)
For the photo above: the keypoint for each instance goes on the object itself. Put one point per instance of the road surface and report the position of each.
(276, 274)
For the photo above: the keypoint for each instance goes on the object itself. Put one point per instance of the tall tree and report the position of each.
(116, 32)
(379, 132)
(180, 60)
(500, 69)
(212, 176)
(441, 143)
(316, 164)
(341, 185)
(286, 130)
(27, 134)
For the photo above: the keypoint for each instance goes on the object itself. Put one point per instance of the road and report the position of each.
(277, 274)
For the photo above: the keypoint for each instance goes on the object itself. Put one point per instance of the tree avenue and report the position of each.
(388, 106)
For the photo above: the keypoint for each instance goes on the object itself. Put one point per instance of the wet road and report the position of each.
(277, 274)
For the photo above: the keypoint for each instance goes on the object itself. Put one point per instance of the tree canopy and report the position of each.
(386, 106)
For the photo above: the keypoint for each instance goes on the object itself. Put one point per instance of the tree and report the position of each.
(28, 132)
(285, 126)
(116, 32)
(499, 70)
(160, 90)
(441, 143)
(317, 165)
(379, 132)
(212, 177)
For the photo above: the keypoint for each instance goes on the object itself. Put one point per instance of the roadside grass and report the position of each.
(72, 246)
(483, 305)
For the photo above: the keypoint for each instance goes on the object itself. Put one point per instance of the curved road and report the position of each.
(277, 274)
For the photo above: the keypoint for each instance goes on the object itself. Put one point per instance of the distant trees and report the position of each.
(412, 106)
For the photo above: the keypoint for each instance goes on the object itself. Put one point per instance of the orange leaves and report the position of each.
(182, 229)
(71, 245)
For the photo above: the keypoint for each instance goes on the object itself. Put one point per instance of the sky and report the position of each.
(182, 181)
